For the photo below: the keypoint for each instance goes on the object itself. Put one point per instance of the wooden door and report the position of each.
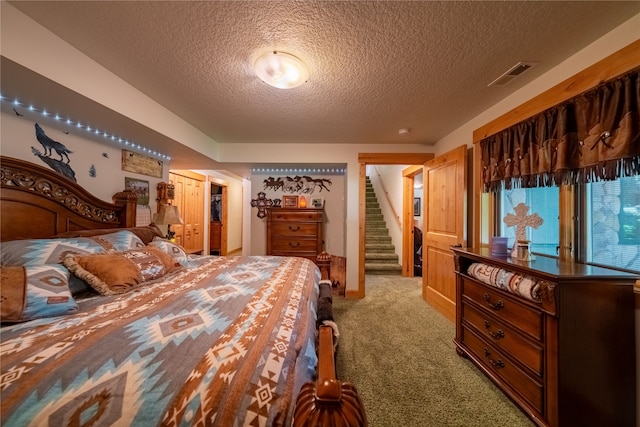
(193, 215)
(189, 197)
(188, 214)
(444, 226)
(178, 182)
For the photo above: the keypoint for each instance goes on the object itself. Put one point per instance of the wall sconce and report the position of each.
(168, 215)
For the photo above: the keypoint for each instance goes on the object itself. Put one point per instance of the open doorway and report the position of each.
(364, 160)
(218, 218)
(412, 188)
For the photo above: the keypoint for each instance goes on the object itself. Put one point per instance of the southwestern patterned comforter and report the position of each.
(226, 341)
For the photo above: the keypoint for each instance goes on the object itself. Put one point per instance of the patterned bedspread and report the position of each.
(228, 341)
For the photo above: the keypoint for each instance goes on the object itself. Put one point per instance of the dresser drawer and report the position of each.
(312, 256)
(501, 365)
(294, 229)
(291, 244)
(520, 316)
(288, 216)
(505, 338)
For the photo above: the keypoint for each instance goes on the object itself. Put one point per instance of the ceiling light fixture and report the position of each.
(281, 70)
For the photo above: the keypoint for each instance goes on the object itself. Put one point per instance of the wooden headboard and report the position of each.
(36, 202)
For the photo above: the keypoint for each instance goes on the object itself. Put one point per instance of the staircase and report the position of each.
(379, 253)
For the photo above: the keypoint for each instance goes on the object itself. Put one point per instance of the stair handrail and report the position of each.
(386, 195)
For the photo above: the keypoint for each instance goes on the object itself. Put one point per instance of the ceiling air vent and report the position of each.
(512, 73)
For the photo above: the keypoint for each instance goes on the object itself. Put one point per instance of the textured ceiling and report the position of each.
(375, 66)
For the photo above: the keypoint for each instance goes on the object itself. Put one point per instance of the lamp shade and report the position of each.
(168, 215)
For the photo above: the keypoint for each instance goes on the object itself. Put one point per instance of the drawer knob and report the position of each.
(296, 228)
(497, 335)
(497, 306)
(495, 363)
(294, 244)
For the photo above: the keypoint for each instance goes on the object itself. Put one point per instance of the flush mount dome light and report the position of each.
(281, 70)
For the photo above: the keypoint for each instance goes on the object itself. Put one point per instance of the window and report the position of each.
(542, 201)
(607, 226)
(612, 236)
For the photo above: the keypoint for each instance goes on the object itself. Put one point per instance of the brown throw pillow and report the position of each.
(118, 272)
(13, 292)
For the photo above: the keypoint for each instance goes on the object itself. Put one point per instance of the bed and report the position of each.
(106, 323)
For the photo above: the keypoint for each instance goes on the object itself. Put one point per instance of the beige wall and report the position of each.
(17, 136)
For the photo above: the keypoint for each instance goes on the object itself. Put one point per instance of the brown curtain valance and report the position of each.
(592, 137)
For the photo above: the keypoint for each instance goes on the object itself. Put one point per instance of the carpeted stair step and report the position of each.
(382, 257)
(386, 269)
(377, 232)
(379, 240)
(378, 248)
(375, 223)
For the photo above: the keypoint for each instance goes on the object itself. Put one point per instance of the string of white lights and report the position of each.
(309, 170)
(79, 125)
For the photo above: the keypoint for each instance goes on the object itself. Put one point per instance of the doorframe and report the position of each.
(225, 214)
(408, 194)
(365, 159)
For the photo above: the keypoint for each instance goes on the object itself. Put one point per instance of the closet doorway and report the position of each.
(218, 217)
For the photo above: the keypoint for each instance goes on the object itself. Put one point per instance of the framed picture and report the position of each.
(139, 163)
(140, 186)
(289, 201)
(317, 202)
(416, 206)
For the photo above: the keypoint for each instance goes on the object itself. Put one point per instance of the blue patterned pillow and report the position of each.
(53, 251)
(119, 241)
(176, 251)
(36, 291)
(45, 251)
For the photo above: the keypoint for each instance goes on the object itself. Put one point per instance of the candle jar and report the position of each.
(523, 250)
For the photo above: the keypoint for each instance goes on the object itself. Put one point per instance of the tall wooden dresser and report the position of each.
(566, 356)
(295, 232)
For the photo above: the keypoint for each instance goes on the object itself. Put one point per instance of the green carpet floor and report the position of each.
(399, 353)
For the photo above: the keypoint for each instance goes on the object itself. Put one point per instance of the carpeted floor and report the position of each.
(399, 353)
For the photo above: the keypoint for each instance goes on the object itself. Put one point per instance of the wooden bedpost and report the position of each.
(128, 199)
(328, 402)
(323, 260)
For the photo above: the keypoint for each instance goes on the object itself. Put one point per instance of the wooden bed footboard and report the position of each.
(328, 402)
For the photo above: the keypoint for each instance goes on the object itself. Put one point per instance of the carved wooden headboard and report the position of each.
(36, 202)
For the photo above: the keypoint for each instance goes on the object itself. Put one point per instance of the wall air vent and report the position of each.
(512, 73)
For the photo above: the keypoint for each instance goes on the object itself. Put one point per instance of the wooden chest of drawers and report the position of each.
(567, 359)
(295, 232)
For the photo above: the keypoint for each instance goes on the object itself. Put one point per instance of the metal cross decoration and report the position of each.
(521, 220)
(261, 203)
